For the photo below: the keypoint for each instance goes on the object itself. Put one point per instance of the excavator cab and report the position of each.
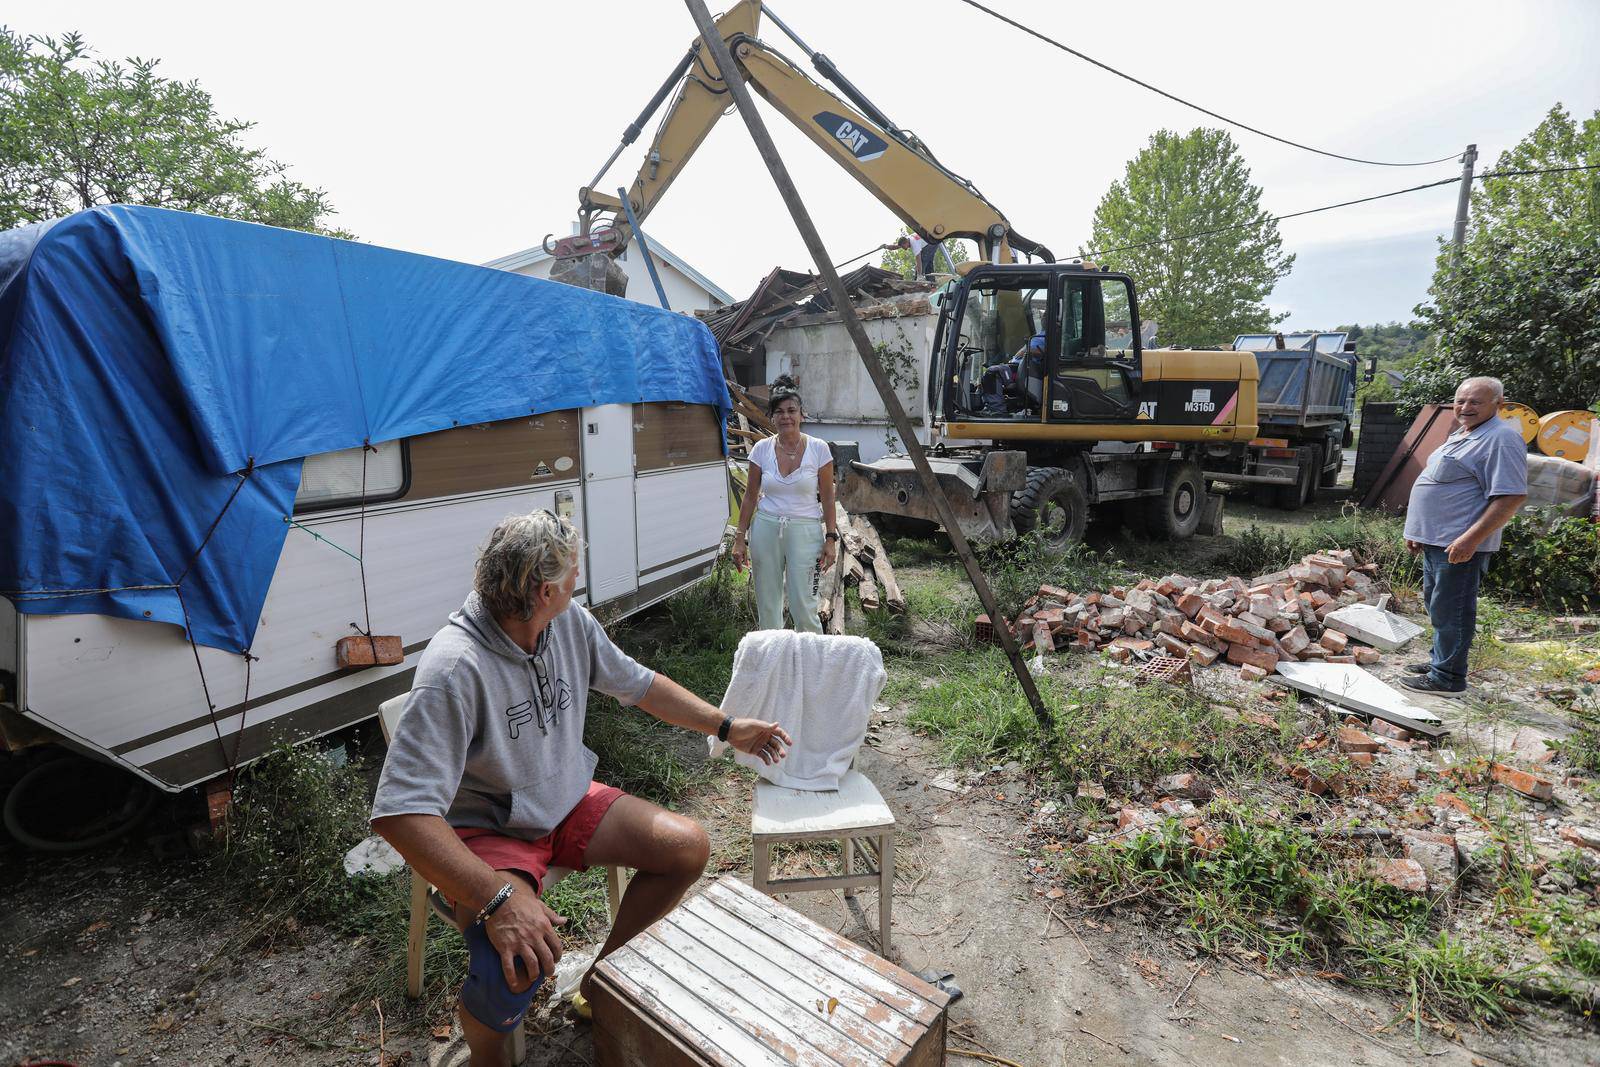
(1039, 344)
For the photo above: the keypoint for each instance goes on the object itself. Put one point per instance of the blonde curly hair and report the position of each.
(523, 553)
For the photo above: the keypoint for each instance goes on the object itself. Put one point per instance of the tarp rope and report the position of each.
(231, 761)
(361, 553)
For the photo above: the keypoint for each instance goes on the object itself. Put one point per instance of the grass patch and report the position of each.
(1372, 536)
(1019, 567)
(971, 706)
(1262, 882)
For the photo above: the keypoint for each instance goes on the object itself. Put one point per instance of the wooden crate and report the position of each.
(732, 977)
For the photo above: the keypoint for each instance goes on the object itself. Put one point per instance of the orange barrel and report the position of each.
(1523, 417)
(1565, 434)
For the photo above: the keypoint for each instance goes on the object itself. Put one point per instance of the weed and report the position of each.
(1582, 747)
(973, 709)
(1017, 568)
(297, 811)
(1267, 885)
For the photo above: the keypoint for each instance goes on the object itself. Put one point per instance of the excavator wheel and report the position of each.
(1053, 503)
(1174, 513)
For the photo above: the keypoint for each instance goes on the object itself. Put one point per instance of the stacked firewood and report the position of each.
(866, 566)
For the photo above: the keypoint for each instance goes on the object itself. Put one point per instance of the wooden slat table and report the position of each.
(732, 977)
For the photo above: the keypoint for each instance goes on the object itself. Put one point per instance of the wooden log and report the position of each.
(881, 567)
(868, 591)
(854, 572)
(825, 587)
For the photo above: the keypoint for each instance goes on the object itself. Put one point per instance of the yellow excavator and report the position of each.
(1045, 398)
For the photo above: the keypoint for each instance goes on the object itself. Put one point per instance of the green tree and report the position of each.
(76, 131)
(904, 264)
(1524, 303)
(1199, 290)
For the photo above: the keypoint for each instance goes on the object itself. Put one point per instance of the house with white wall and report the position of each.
(687, 289)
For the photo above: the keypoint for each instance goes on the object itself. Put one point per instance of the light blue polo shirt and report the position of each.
(1461, 477)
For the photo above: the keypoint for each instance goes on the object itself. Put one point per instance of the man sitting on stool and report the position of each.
(487, 783)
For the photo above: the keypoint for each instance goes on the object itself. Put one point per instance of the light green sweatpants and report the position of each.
(784, 554)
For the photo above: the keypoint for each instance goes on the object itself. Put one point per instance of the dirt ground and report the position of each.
(116, 957)
(105, 966)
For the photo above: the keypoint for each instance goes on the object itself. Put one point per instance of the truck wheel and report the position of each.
(1330, 477)
(1174, 513)
(1296, 496)
(1053, 503)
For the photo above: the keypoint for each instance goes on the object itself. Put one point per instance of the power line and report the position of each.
(1331, 207)
(1190, 104)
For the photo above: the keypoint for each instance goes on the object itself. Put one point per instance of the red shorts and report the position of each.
(564, 846)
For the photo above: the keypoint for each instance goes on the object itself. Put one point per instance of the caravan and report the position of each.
(228, 447)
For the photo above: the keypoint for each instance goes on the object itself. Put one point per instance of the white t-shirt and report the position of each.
(794, 496)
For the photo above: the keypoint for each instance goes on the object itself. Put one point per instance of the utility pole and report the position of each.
(1463, 200)
(768, 151)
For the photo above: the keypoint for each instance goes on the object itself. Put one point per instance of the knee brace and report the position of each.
(485, 994)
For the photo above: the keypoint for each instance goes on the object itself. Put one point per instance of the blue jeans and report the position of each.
(1450, 592)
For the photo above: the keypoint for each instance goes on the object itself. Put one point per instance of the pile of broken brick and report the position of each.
(1252, 624)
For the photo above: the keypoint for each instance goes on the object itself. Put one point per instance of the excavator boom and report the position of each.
(892, 165)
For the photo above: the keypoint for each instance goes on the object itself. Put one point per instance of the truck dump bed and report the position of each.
(1304, 383)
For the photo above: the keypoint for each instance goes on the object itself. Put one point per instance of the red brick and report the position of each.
(1251, 673)
(1390, 730)
(1204, 655)
(1172, 624)
(1172, 646)
(380, 650)
(1232, 633)
(1120, 653)
(1334, 642)
(1054, 592)
(1043, 640)
(1581, 836)
(1135, 644)
(1361, 759)
(1190, 604)
(1350, 739)
(1295, 641)
(1366, 656)
(1529, 785)
(1402, 874)
(1339, 659)
(1253, 655)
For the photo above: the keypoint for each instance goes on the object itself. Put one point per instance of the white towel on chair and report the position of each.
(818, 687)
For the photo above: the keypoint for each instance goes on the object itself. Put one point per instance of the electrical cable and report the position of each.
(1190, 104)
(1331, 207)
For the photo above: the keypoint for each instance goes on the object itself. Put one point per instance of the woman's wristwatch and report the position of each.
(833, 535)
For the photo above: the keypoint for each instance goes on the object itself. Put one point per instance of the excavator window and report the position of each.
(1093, 376)
(1000, 349)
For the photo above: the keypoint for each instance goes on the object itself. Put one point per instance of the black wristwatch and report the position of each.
(833, 535)
(727, 724)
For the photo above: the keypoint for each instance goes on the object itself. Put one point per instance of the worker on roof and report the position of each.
(487, 784)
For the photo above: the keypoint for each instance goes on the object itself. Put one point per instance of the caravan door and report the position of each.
(611, 569)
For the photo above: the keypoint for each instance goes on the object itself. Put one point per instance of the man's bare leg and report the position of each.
(488, 1047)
(668, 851)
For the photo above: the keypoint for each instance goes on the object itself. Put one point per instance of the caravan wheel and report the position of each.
(73, 804)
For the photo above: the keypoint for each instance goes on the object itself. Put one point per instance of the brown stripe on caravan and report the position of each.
(205, 760)
(495, 455)
(669, 434)
(223, 714)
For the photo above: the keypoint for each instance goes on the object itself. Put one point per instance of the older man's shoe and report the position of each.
(1418, 668)
(1427, 685)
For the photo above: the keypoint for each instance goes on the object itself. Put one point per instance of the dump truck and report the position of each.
(1305, 400)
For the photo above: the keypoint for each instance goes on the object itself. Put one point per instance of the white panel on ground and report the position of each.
(1349, 686)
(1379, 628)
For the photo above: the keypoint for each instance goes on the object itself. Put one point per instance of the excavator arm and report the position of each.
(892, 164)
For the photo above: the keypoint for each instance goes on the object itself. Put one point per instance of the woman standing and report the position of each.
(790, 498)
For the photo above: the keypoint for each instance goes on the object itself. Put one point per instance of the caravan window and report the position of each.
(333, 479)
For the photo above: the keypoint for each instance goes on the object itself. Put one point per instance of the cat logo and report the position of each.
(861, 143)
(1147, 411)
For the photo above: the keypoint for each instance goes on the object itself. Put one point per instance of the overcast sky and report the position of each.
(464, 130)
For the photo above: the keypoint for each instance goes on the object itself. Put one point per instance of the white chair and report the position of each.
(854, 813)
(425, 898)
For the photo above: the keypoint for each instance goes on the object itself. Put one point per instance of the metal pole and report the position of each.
(644, 248)
(852, 323)
(1463, 201)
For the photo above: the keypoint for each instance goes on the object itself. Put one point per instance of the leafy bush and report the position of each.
(1557, 566)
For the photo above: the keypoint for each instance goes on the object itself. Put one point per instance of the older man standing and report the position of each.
(487, 783)
(1469, 490)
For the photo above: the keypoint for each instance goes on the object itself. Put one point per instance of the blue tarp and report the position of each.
(149, 358)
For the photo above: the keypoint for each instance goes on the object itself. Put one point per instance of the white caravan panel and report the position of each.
(608, 507)
(681, 513)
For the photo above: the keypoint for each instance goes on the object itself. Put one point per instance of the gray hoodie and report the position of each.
(492, 736)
